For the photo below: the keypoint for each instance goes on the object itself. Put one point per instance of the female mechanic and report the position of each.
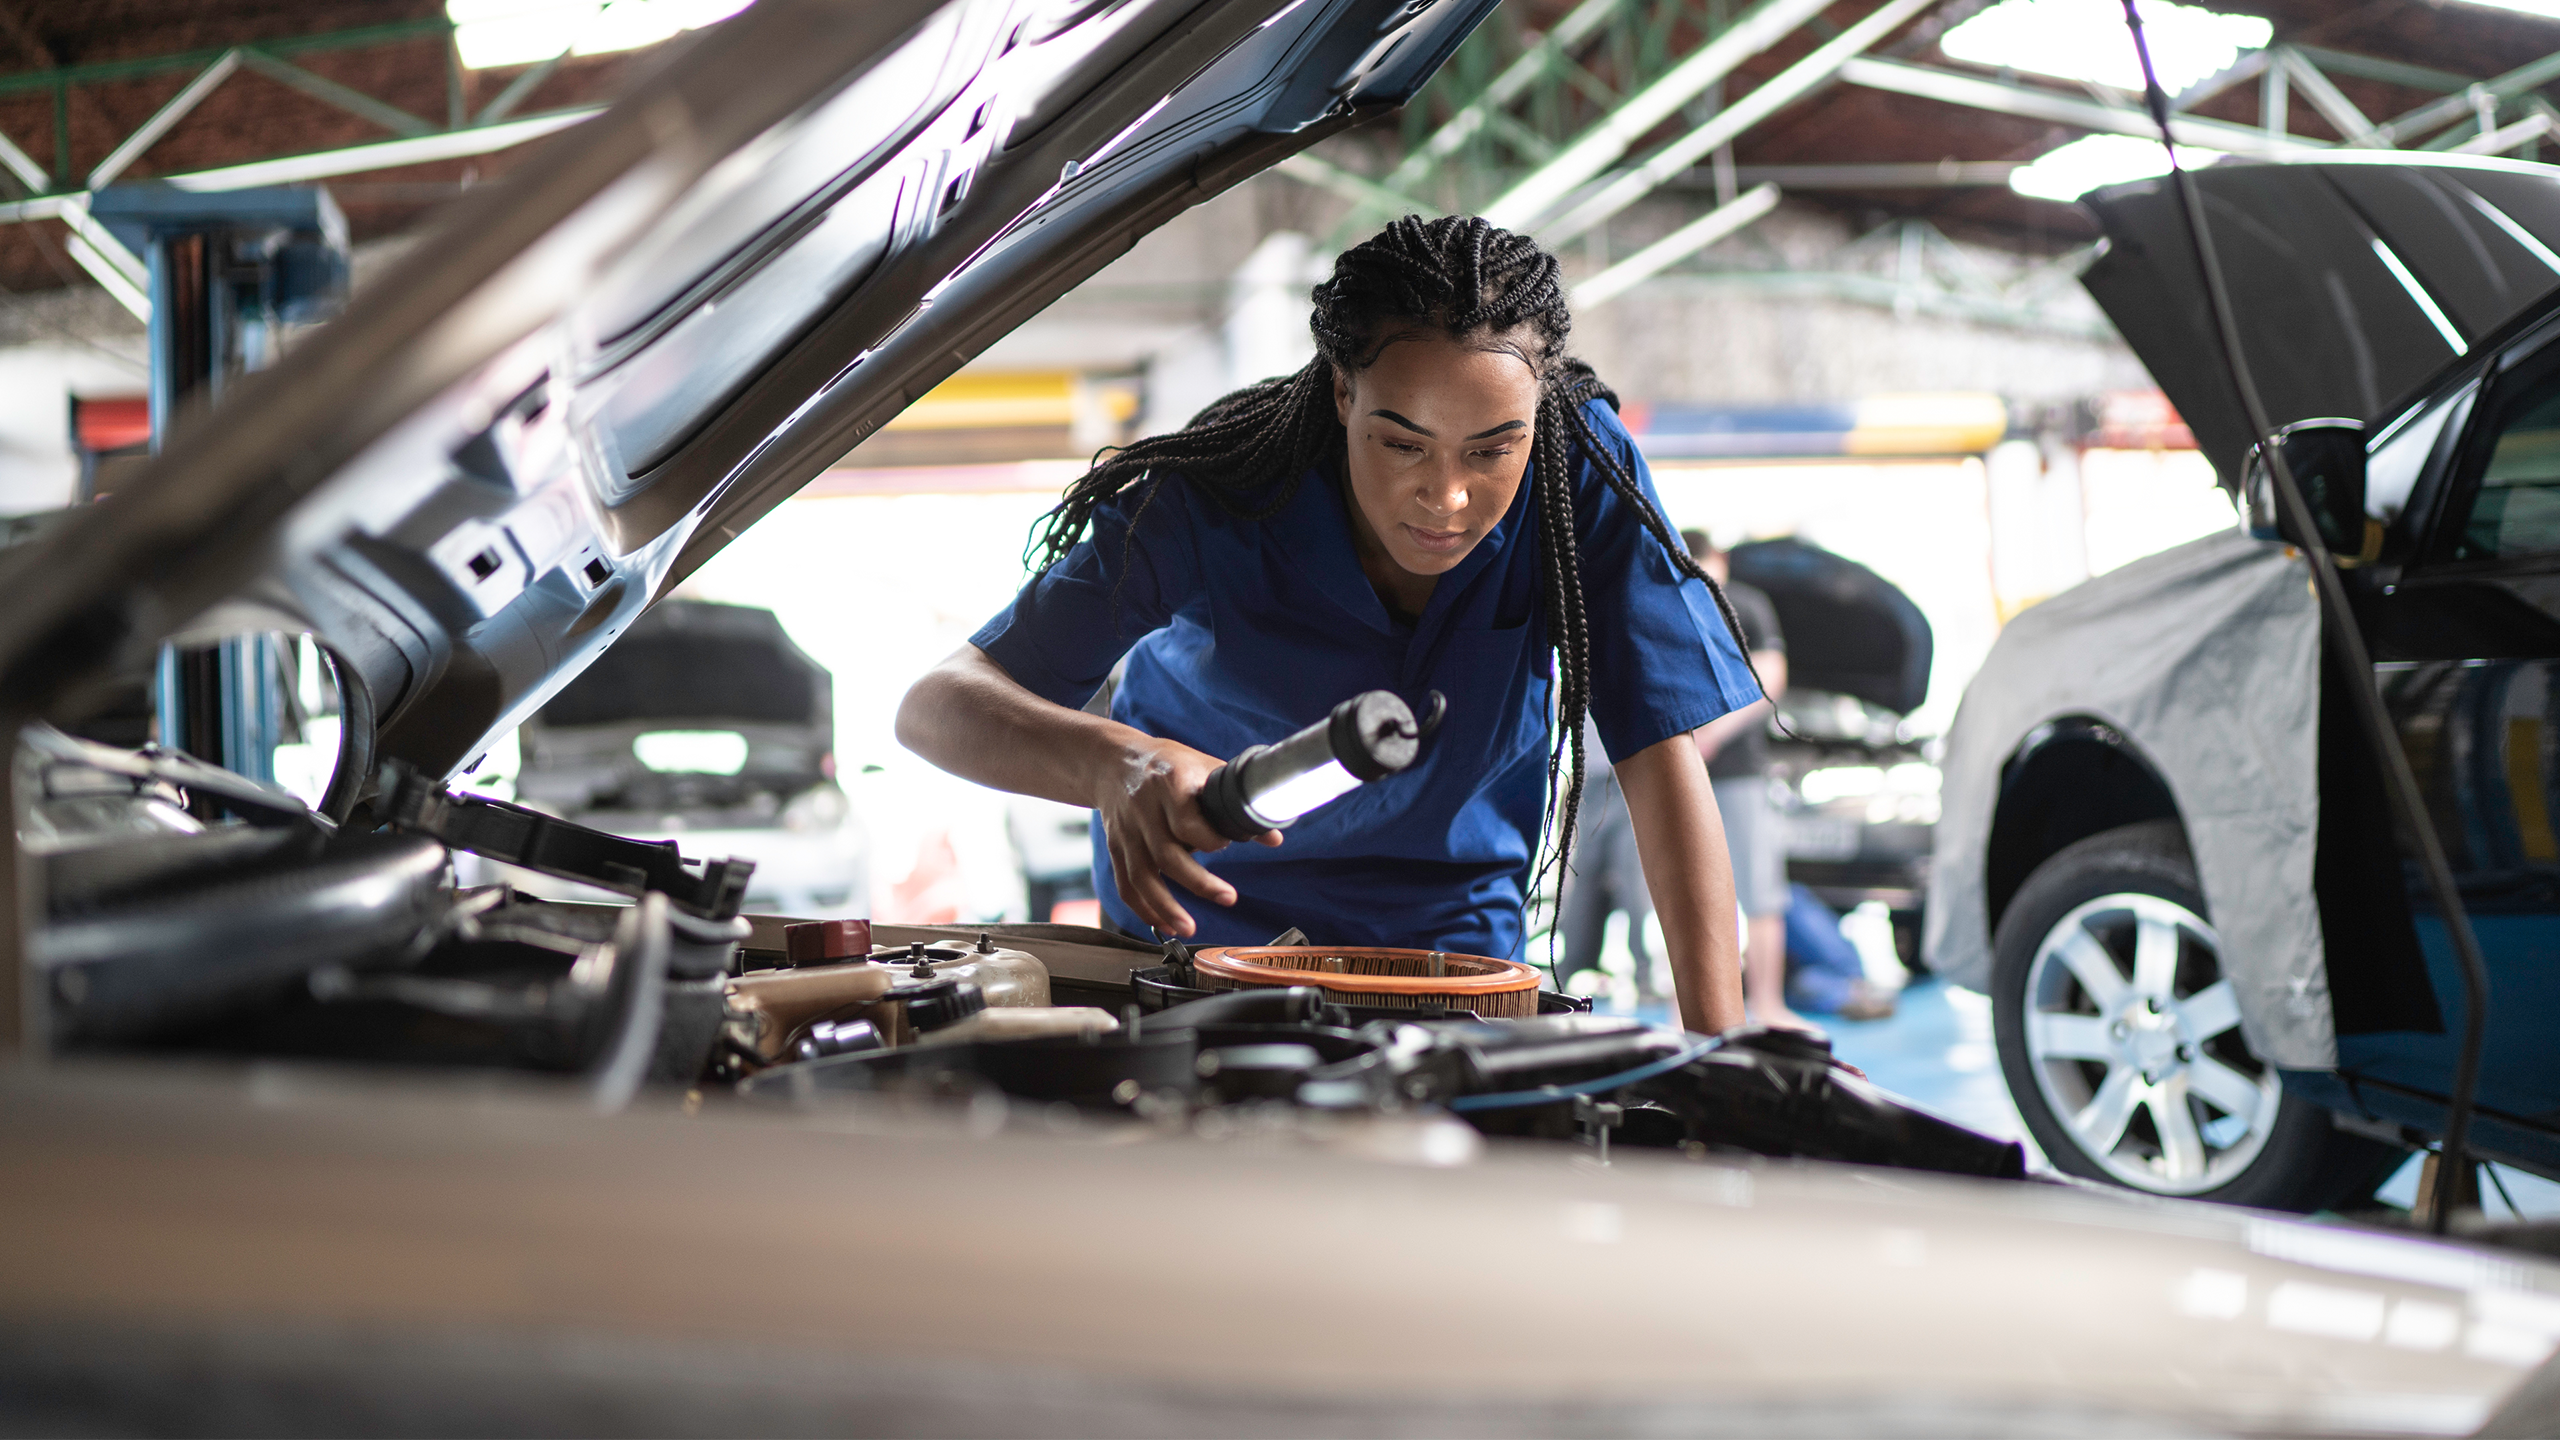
(1439, 500)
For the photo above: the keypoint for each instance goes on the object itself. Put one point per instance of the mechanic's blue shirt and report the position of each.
(1240, 632)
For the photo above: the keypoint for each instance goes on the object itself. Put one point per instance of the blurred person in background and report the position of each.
(1736, 749)
(1606, 878)
(1825, 975)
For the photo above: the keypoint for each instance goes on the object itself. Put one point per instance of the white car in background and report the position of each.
(707, 727)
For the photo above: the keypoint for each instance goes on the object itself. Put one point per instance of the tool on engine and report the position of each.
(1270, 787)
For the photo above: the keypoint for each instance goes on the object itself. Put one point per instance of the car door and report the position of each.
(2465, 630)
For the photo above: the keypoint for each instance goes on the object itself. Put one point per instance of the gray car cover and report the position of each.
(2206, 658)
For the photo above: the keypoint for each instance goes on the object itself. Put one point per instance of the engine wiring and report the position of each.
(2347, 651)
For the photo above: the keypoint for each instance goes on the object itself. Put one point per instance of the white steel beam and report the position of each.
(1600, 147)
(29, 173)
(117, 270)
(1549, 52)
(1767, 99)
(2331, 102)
(2027, 103)
(383, 154)
(1679, 245)
(170, 114)
(2506, 137)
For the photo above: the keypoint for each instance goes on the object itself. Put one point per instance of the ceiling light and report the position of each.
(492, 33)
(2087, 40)
(2070, 171)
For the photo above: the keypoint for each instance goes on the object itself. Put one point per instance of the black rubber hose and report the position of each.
(1295, 1005)
(184, 954)
(355, 739)
(633, 1006)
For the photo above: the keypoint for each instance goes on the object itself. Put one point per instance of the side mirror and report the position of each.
(2327, 460)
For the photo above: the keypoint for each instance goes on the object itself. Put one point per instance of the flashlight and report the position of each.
(1268, 787)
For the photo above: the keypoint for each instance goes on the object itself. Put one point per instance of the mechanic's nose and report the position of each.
(1444, 494)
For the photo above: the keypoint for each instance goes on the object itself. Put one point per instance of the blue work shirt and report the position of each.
(1240, 632)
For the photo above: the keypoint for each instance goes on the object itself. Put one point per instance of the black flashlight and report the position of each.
(1268, 787)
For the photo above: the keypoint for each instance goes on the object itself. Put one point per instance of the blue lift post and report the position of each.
(229, 270)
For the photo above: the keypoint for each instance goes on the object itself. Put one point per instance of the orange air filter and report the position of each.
(1398, 979)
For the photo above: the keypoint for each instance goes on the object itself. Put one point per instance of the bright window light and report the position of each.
(492, 33)
(2087, 40)
(2070, 171)
(692, 752)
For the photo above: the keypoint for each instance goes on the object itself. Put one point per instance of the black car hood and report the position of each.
(587, 380)
(2315, 253)
(1848, 630)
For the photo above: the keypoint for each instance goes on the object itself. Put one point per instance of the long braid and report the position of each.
(1248, 452)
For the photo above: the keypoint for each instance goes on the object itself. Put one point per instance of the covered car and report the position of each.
(2165, 848)
(716, 1171)
(1857, 791)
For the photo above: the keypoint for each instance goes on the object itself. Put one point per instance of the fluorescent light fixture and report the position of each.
(2087, 40)
(492, 33)
(2067, 172)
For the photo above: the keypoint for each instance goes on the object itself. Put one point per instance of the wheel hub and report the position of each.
(2148, 1039)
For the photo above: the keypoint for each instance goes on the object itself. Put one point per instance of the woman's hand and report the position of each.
(1149, 804)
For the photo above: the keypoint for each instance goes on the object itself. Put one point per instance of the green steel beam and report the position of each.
(329, 92)
(106, 70)
(1364, 193)
(2390, 72)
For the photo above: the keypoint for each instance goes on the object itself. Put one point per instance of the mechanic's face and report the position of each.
(1439, 434)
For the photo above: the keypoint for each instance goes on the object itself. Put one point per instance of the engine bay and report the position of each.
(267, 933)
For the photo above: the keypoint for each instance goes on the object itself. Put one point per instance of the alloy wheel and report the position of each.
(2133, 1032)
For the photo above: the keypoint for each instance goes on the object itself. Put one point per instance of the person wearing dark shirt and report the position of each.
(1736, 748)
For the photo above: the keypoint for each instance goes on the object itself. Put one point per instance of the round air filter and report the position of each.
(1400, 979)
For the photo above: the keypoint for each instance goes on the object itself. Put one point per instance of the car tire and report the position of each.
(2119, 1037)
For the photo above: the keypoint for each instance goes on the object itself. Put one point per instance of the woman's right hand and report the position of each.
(1149, 806)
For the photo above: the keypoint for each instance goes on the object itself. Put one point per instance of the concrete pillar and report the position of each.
(1266, 326)
(2039, 541)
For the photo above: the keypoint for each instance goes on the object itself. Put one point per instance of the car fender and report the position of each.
(2202, 663)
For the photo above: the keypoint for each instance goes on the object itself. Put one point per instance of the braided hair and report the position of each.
(1248, 452)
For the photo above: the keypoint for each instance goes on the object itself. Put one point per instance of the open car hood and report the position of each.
(1848, 630)
(2355, 278)
(587, 380)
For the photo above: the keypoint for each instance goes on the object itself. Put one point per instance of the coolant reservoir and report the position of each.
(771, 1009)
(1005, 977)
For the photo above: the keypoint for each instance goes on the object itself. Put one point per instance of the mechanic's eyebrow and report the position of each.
(1409, 425)
(1498, 429)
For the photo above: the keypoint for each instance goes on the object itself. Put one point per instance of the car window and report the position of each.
(2515, 508)
(2400, 455)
